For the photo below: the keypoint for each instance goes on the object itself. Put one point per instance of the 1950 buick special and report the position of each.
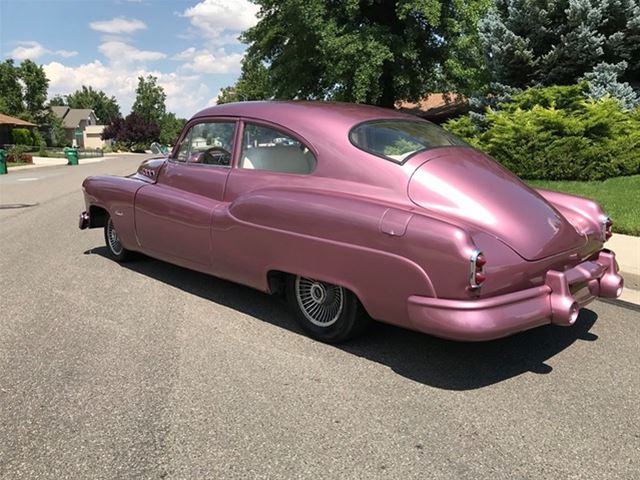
(353, 210)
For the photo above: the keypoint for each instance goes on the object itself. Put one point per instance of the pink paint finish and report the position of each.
(399, 236)
(495, 317)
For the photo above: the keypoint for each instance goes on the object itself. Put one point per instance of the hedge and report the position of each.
(554, 133)
(21, 136)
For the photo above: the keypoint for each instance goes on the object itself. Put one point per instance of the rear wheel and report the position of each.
(329, 313)
(114, 246)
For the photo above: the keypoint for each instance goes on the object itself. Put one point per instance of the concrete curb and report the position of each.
(627, 250)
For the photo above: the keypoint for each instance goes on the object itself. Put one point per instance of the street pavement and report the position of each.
(147, 370)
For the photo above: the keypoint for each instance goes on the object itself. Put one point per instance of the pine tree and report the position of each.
(547, 42)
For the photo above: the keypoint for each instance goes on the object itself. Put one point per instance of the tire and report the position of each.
(114, 247)
(326, 312)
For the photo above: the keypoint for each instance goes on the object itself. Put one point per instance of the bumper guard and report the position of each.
(554, 302)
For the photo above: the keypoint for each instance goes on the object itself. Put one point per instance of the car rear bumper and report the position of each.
(557, 301)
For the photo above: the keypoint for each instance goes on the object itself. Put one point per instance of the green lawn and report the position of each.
(620, 198)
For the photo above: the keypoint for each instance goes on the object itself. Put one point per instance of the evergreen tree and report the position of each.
(547, 42)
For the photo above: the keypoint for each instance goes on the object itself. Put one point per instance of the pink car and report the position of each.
(357, 212)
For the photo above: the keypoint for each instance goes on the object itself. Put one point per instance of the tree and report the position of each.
(372, 51)
(134, 132)
(57, 135)
(35, 89)
(150, 97)
(547, 42)
(10, 89)
(170, 128)
(253, 84)
(603, 81)
(106, 108)
(57, 101)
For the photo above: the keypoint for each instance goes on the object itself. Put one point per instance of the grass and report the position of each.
(620, 198)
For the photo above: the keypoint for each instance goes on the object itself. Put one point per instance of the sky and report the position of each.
(191, 46)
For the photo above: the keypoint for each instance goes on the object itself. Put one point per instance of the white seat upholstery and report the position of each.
(278, 158)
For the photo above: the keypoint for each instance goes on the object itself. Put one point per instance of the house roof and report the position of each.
(71, 117)
(435, 106)
(9, 120)
(75, 115)
(60, 111)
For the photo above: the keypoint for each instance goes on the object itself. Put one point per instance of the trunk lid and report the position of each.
(469, 187)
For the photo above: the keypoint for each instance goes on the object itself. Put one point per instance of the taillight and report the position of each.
(476, 269)
(607, 224)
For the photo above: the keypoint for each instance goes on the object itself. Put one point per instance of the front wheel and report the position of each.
(114, 246)
(329, 313)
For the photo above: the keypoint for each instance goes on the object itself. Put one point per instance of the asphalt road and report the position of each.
(152, 371)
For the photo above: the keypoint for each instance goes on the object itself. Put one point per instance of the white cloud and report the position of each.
(214, 100)
(118, 25)
(186, 94)
(205, 61)
(121, 52)
(185, 54)
(190, 86)
(32, 50)
(214, 17)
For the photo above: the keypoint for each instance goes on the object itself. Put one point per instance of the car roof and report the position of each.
(295, 114)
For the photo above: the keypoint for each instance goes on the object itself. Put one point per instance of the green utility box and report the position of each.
(3, 162)
(72, 156)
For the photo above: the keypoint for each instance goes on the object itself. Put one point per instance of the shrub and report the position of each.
(552, 133)
(36, 138)
(133, 133)
(17, 154)
(21, 136)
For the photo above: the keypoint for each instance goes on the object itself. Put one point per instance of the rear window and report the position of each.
(397, 140)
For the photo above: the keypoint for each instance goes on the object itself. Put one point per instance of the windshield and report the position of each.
(397, 140)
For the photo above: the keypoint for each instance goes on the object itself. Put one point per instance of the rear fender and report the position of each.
(333, 238)
(584, 214)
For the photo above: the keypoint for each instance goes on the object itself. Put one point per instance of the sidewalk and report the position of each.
(51, 161)
(627, 250)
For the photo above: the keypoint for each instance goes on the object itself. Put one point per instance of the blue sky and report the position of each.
(191, 46)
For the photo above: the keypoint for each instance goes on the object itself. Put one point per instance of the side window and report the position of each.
(208, 143)
(265, 148)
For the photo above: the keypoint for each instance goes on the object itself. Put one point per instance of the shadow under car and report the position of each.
(423, 358)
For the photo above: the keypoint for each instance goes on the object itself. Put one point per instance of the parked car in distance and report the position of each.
(358, 212)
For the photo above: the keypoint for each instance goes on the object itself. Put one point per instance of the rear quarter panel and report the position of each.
(339, 239)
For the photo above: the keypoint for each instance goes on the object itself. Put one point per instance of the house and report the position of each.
(436, 107)
(8, 123)
(81, 125)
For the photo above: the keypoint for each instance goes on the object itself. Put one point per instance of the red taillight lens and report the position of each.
(476, 273)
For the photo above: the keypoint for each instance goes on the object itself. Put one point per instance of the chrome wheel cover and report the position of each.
(321, 303)
(112, 239)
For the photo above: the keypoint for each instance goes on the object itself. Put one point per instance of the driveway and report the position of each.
(152, 371)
